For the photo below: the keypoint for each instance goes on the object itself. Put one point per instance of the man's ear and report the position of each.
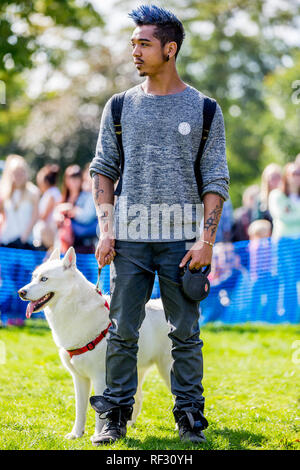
(54, 255)
(69, 259)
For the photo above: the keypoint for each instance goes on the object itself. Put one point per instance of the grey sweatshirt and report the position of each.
(161, 137)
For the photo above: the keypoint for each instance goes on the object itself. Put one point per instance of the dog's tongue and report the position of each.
(30, 308)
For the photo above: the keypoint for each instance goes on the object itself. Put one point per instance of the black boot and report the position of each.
(191, 424)
(116, 419)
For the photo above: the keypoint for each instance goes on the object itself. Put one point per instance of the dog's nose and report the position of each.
(22, 293)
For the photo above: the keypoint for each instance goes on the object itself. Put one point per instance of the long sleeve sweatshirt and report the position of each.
(161, 136)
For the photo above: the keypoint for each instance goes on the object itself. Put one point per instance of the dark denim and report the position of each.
(131, 289)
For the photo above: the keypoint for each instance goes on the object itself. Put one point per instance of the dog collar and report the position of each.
(90, 346)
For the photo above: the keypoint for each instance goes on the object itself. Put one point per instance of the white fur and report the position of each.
(76, 315)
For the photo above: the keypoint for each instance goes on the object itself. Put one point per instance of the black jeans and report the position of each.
(131, 289)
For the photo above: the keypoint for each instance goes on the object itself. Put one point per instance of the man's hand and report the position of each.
(200, 255)
(105, 251)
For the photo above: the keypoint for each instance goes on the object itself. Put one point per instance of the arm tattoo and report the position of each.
(213, 219)
(104, 209)
(97, 189)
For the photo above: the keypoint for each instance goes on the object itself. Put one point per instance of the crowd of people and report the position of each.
(271, 209)
(42, 215)
(45, 214)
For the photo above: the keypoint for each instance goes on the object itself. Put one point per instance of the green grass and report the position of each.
(251, 387)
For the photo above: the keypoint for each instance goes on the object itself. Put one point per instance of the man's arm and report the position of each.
(201, 252)
(213, 164)
(215, 182)
(107, 159)
(103, 194)
(105, 171)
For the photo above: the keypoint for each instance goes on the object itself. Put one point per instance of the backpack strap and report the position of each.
(209, 109)
(116, 109)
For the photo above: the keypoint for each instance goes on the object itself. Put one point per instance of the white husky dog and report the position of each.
(77, 314)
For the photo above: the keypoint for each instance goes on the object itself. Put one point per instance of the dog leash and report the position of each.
(97, 287)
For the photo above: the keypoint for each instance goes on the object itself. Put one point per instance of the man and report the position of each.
(161, 132)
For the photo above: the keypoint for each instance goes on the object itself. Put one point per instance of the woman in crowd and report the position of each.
(45, 229)
(270, 179)
(18, 204)
(76, 215)
(284, 204)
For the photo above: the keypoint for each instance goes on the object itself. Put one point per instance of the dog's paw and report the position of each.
(74, 435)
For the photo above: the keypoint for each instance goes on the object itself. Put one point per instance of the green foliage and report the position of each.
(23, 22)
(281, 123)
(234, 51)
(23, 47)
(250, 385)
(230, 50)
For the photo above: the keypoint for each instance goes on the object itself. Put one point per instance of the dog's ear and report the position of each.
(69, 259)
(54, 255)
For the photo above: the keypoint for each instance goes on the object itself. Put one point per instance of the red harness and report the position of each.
(90, 346)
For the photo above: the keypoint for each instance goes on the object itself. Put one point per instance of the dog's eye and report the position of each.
(44, 279)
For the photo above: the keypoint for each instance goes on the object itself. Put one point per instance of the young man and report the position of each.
(161, 131)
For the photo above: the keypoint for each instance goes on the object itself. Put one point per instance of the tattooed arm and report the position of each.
(103, 194)
(213, 206)
(201, 253)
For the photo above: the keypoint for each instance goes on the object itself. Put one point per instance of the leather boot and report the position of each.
(191, 424)
(116, 419)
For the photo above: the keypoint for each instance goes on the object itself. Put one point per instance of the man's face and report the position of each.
(149, 57)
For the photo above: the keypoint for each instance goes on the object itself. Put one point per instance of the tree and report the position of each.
(281, 123)
(231, 47)
(237, 51)
(33, 34)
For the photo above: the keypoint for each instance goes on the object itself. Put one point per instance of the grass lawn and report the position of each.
(251, 381)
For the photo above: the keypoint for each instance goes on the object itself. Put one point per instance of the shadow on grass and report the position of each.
(157, 443)
(255, 327)
(40, 326)
(247, 328)
(238, 439)
(232, 440)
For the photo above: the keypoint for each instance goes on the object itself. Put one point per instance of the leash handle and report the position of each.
(205, 271)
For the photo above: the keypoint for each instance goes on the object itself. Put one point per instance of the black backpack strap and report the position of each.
(116, 109)
(209, 109)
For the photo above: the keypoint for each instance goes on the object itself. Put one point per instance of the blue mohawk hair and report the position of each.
(168, 26)
(151, 14)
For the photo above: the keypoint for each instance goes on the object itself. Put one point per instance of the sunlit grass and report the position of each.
(251, 387)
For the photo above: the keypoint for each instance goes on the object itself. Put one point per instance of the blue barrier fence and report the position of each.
(250, 281)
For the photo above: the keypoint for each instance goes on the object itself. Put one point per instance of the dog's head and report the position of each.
(51, 278)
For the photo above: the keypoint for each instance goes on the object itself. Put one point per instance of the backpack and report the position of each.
(209, 108)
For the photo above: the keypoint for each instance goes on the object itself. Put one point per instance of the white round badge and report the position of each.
(184, 128)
